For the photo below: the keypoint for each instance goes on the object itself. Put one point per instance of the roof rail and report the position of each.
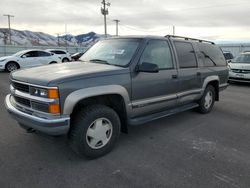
(187, 38)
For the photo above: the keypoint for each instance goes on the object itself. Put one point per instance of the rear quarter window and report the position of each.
(215, 55)
(186, 55)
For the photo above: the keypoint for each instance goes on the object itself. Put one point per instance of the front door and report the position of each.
(153, 92)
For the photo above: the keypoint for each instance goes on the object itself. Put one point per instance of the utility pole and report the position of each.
(9, 16)
(66, 36)
(173, 30)
(105, 12)
(116, 22)
(58, 42)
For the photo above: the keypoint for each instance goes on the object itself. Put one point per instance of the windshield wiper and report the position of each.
(103, 62)
(100, 61)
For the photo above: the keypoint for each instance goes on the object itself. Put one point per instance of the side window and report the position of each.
(158, 52)
(213, 56)
(185, 54)
(31, 54)
(61, 52)
(43, 54)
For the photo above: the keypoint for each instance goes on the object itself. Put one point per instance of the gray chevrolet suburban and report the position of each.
(118, 82)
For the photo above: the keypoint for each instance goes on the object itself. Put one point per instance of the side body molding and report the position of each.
(74, 97)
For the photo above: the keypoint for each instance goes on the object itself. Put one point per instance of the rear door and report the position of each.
(152, 92)
(189, 85)
(44, 58)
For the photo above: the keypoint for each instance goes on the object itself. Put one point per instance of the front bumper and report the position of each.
(55, 126)
(239, 77)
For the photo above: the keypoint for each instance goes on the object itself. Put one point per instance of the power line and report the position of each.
(9, 16)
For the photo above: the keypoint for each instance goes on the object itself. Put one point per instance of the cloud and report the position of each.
(134, 14)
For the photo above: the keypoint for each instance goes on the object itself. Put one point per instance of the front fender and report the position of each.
(73, 98)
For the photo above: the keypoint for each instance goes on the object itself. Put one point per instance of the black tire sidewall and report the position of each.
(81, 123)
(202, 107)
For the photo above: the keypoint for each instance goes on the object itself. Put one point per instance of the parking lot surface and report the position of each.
(184, 150)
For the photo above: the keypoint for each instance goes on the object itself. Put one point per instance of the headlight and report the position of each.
(50, 93)
(1, 60)
(45, 93)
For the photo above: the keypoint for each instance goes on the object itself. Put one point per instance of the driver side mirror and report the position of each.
(148, 67)
(23, 56)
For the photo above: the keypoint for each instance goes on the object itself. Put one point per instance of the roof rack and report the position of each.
(187, 38)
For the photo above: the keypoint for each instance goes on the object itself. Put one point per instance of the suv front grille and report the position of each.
(241, 71)
(22, 101)
(21, 87)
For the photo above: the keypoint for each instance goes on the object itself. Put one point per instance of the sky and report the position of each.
(207, 19)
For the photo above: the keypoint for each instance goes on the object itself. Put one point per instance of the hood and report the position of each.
(63, 72)
(5, 57)
(243, 66)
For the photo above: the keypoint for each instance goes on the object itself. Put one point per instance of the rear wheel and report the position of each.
(11, 66)
(206, 103)
(94, 131)
(65, 60)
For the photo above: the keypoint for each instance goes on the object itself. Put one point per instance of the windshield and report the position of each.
(117, 52)
(20, 53)
(243, 58)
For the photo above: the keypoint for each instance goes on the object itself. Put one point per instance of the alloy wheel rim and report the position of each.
(99, 133)
(208, 99)
(11, 67)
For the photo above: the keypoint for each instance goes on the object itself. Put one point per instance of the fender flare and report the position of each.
(209, 79)
(73, 98)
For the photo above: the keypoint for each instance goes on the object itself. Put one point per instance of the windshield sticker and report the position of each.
(110, 57)
(117, 51)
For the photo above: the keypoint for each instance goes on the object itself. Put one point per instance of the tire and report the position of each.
(94, 131)
(206, 103)
(64, 60)
(11, 66)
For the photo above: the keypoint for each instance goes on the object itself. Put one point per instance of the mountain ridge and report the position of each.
(31, 38)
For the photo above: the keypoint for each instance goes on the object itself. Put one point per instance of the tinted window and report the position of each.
(31, 54)
(58, 52)
(158, 52)
(186, 55)
(43, 54)
(212, 55)
(228, 56)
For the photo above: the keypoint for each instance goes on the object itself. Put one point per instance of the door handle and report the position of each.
(198, 73)
(174, 76)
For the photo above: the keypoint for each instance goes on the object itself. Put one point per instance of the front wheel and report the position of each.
(94, 131)
(206, 103)
(11, 66)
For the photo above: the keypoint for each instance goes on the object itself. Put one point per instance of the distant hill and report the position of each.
(30, 38)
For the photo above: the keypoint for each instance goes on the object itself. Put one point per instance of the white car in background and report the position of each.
(26, 59)
(240, 68)
(62, 54)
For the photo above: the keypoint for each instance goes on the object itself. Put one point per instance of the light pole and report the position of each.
(116, 22)
(9, 16)
(105, 11)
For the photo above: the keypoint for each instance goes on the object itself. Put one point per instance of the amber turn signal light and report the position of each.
(54, 108)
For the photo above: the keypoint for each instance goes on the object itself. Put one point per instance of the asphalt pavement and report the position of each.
(186, 150)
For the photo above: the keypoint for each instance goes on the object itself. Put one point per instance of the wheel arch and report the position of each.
(214, 81)
(114, 96)
(12, 62)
